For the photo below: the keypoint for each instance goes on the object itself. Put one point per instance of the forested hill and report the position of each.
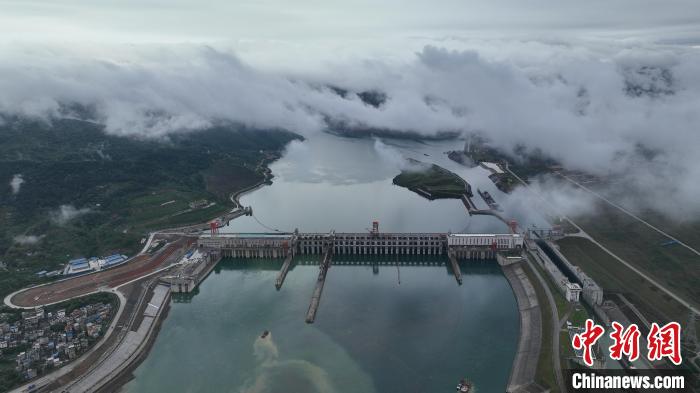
(69, 189)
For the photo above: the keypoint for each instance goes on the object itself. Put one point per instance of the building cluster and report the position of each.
(570, 279)
(199, 204)
(84, 265)
(498, 241)
(47, 340)
(250, 245)
(195, 265)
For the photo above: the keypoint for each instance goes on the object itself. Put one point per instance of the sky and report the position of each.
(193, 21)
(609, 87)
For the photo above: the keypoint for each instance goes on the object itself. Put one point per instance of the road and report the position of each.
(555, 327)
(583, 233)
(629, 213)
(49, 378)
(58, 291)
(524, 369)
(139, 267)
(634, 269)
(117, 323)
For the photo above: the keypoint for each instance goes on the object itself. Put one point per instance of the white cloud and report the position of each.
(551, 197)
(16, 183)
(393, 157)
(65, 213)
(26, 240)
(593, 105)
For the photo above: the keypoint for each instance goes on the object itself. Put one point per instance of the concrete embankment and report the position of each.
(473, 210)
(210, 265)
(129, 349)
(283, 272)
(522, 375)
(455, 269)
(318, 290)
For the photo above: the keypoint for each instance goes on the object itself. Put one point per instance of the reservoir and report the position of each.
(384, 325)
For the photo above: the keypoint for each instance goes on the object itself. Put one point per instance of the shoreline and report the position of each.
(267, 178)
(131, 350)
(524, 368)
(49, 381)
(126, 375)
(518, 282)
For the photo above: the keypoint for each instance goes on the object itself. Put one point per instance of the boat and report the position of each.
(464, 386)
(265, 334)
(489, 200)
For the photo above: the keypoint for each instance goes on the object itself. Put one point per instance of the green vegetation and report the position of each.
(114, 189)
(520, 162)
(577, 315)
(9, 378)
(673, 265)
(615, 277)
(545, 365)
(563, 306)
(432, 182)
(73, 304)
(504, 181)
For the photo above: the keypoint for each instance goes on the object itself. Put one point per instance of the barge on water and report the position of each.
(489, 200)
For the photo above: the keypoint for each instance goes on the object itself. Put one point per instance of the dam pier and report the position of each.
(455, 269)
(316, 297)
(504, 248)
(283, 271)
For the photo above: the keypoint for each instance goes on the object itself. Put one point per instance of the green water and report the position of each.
(372, 332)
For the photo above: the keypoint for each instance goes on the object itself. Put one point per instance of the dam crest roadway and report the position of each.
(505, 248)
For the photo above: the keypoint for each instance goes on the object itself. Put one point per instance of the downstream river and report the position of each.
(404, 326)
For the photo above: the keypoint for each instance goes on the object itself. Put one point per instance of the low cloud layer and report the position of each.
(392, 156)
(66, 213)
(16, 183)
(551, 197)
(627, 110)
(27, 240)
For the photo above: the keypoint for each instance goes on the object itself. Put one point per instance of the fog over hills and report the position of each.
(607, 93)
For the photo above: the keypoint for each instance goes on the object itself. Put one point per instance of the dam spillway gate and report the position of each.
(373, 243)
(281, 245)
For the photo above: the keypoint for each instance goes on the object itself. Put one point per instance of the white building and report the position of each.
(573, 292)
(501, 241)
(492, 166)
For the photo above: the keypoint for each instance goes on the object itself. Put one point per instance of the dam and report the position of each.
(382, 320)
(281, 245)
(372, 243)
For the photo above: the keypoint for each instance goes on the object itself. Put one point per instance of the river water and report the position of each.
(382, 326)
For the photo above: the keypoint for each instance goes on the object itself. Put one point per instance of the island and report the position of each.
(432, 181)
